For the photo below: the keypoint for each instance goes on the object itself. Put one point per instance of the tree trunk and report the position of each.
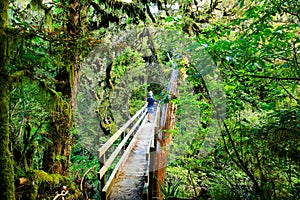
(7, 188)
(57, 156)
(165, 138)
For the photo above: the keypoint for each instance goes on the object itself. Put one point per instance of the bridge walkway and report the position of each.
(133, 175)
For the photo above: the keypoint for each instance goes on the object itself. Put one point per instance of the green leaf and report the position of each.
(169, 19)
(242, 3)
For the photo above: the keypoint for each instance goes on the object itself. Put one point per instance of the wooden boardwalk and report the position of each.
(143, 159)
(130, 183)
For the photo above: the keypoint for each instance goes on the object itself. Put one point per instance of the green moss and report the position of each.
(42, 185)
(7, 188)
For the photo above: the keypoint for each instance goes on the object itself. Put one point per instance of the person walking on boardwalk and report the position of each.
(150, 109)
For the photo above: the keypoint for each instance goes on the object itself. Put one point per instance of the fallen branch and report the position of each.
(276, 78)
(82, 180)
(64, 192)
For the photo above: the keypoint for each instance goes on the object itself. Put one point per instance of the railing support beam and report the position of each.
(102, 161)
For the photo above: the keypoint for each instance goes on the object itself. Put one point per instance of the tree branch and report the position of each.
(63, 194)
(82, 180)
(242, 164)
(295, 55)
(239, 162)
(290, 94)
(150, 14)
(272, 77)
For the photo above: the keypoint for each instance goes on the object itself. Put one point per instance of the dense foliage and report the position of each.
(257, 53)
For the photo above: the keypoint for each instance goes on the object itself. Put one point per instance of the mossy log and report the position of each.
(41, 185)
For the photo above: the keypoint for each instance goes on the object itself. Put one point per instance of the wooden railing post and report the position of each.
(157, 126)
(122, 138)
(151, 173)
(102, 160)
(153, 154)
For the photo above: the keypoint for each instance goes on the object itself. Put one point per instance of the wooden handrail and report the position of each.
(107, 188)
(111, 140)
(105, 164)
(119, 148)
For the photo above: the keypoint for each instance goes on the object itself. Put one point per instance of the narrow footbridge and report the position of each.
(135, 154)
(130, 176)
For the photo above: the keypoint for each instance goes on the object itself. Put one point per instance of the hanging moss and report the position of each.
(6, 162)
(49, 21)
(42, 185)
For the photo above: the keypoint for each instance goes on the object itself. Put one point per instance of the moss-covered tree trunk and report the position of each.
(57, 156)
(7, 187)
